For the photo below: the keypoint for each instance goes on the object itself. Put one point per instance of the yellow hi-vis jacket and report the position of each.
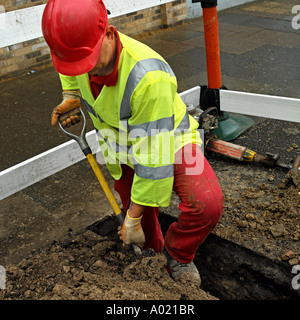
(141, 121)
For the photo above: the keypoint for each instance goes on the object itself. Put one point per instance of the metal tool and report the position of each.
(244, 154)
(85, 148)
(208, 121)
(81, 140)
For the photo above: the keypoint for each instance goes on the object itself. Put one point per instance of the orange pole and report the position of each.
(212, 46)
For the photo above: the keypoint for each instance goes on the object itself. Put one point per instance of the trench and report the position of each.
(229, 271)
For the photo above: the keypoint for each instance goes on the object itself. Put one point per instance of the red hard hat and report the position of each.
(74, 31)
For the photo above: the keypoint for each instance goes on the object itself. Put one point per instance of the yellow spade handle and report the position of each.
(119, 215)
(104, 185)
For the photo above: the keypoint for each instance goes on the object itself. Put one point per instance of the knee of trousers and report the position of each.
(201, 212)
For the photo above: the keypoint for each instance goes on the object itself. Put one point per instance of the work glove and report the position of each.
(71, 101)
(132, 232)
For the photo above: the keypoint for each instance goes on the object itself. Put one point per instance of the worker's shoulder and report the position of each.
(138, 50)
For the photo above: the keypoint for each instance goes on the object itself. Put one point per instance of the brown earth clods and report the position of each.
(264, 216)
(91, 267)
(87, 266)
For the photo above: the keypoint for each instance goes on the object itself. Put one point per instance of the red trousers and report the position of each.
(201, 205)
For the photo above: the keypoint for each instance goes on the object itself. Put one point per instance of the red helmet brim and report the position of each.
(78, 67)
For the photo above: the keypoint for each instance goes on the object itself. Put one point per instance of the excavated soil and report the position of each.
(258, 214)
(261, 215)
(89, 266)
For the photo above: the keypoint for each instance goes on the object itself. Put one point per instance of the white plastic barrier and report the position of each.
(260, 105)
(25, 24)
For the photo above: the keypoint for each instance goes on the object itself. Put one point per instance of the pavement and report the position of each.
(260, 53)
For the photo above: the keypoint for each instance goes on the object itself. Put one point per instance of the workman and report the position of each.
(150, 143)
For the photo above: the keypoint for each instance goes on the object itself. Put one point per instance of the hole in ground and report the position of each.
(229, 271)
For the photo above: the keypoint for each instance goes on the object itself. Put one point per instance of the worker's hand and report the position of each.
(71, 101)
(132, 232)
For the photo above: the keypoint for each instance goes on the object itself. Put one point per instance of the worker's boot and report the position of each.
(182, 272)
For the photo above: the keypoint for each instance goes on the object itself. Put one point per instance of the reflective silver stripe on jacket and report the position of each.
(184, 124)
(151, 128)
(90, 108)
(114, 144)
(156, 173)
(100, 135)
(137, 73)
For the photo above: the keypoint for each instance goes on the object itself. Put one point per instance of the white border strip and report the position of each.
(119, 8)
(43, 165)
(20, 25)
(259, 105)
(25, 24)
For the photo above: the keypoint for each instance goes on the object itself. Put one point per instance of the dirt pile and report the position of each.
(264, 218)
(92, 267)
(260, 213)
